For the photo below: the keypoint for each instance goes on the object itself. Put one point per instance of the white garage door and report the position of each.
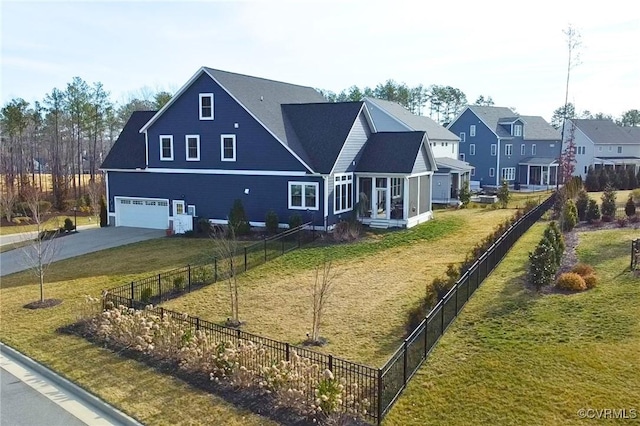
(142, 212)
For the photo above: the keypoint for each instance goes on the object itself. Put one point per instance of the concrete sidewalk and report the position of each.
(66, 395)
(82, 242)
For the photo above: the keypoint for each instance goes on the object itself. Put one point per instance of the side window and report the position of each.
(206, 106)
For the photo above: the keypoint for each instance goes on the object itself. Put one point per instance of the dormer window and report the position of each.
(206, 106)
(517, 130)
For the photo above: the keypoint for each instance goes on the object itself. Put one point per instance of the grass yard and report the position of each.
(151, 397)
(377, 282)
(516, 357)
(55, 222)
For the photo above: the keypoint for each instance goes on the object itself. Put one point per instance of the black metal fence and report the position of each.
(380, 386)
(168, 285)
(635, 254)
(415, 349)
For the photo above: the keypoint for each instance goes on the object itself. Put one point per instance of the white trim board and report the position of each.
(217, 172)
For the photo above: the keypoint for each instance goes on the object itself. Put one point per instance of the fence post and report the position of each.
(189, 266)
(331, 362)
(197, 323)
(404, 361)
(299, 235)
(245, 259)
(161, 313)
(159, 287)
(265, 249)
(132, 285)
(286, 351)
(215, 269)
(442, 317)
(426, 335)
(457, 288)
(379, 396)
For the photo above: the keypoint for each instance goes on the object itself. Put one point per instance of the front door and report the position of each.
(381, 198)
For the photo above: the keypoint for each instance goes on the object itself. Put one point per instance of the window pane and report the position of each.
(296, 195)
(310, 195)
(349, 195)
(228, 147)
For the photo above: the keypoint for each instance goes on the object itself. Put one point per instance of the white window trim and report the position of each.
(472, 130)
(202, 96)
(494, 149)
(170, 137)
(508, 173)
(222, 138)
(523, 149)
(186, 147)
(517, 130)
(472, 149)
(344, 184)
(508, 149)
(463, 137)
(304, 198)
(492, 172)
(533, 149)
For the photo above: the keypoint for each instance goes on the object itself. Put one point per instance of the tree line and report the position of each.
(66, 135)
(441, 103)
(628, 118)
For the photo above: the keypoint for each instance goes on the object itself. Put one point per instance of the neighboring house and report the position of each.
(451, 173)
(502, 145)
(275, 146)
(602, 143)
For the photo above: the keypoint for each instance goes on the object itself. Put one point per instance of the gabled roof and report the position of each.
(634, 132)
(605, 132)
(391, 152)
(413, 122)
(535, 127)
(261, 97)
(129, 150)
(320, 130)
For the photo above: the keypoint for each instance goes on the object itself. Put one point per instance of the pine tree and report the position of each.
(593, 211)
(591, 182)
(503, 194)
(581, 204)
(609, 202)
(630, 207)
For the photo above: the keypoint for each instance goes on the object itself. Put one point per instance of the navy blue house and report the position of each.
(275, 146)
(502, 145)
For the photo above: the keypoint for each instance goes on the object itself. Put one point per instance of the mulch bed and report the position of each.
(42, 304)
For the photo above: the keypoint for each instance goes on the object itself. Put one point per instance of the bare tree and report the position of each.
(8, 199)
(225, 251)
(39, 254)
(321, 290)
(95, 191)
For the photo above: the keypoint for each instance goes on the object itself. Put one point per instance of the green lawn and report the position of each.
(52, 223)
(517, 357)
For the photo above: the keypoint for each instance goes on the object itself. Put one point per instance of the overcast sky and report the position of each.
(512, 51)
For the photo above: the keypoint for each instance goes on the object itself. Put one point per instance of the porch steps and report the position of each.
(379, 224)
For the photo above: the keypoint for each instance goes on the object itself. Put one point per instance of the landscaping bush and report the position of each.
(271, 222)
(593, 212)
(591, 182)
(590, 281)
(582, 203)
(621, 222)
(542, 265)
(203, 226)
(295, 220)
(583, 269)
(571, 281)
(465, 194)
(606, 218)
(238, 218)
(503, 194)
(103, 212)
(608, 202)
(556, 239)
(569, 216)
(630, 207)
(68, 225)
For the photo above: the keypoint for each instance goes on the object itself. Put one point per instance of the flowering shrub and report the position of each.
(296, 384)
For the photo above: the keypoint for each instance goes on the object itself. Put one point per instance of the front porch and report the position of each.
(394, 201)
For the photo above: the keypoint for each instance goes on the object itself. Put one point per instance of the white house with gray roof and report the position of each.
(602, 143)
(451, 173)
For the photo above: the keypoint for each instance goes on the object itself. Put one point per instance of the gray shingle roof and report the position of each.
(391, 152)
(414, 122)
(606, 132)
(129, 150)
(263, 98)
(535, 127)
(452, 164)
(320, 130)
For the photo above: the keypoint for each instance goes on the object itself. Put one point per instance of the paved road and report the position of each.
(85, 241)
(32, 395)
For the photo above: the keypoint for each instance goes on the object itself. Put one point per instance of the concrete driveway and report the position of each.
(83, 242)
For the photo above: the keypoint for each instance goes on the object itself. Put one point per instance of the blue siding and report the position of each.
(482, 160)
(213, 195)
(256, 148)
